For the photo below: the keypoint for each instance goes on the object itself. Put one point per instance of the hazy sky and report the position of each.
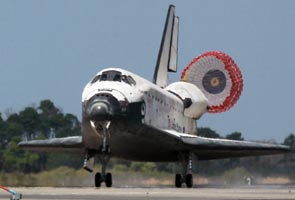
(50, 49)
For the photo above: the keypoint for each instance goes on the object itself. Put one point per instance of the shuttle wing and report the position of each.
(68, 144)
(209, 148)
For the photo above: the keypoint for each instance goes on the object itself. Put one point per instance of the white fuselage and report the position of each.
(141, 104)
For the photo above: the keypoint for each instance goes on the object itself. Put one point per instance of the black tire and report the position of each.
(109, 180)
(178, 181)
(97, 180)
(189, 180)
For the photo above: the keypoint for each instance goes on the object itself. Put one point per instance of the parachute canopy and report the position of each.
(218, 77)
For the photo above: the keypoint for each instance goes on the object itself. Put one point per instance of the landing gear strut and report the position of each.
(104, 158)
(187, 166)
(102, 129)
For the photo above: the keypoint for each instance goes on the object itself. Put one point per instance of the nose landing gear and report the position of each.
(107, 178)
(103, 157)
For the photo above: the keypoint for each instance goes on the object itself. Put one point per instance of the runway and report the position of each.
(249, 192)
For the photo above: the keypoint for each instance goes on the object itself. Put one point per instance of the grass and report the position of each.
(124, 177)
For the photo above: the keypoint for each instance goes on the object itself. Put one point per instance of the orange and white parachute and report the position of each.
(218, 77)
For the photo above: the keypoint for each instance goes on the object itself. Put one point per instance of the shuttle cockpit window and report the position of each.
(95, 79)
(108, 76)
(113, 75)
(128, 79)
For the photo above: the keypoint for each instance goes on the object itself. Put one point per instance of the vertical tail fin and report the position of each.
(167, 57)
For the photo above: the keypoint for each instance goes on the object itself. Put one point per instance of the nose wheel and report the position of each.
(102, 176)
(107, 178)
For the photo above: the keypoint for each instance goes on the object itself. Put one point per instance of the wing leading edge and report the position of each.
(209, 148)
(68, 144)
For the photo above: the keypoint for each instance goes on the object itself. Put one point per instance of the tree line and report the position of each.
(47, 121)
(34, 122)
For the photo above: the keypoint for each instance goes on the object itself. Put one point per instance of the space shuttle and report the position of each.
(128, 117)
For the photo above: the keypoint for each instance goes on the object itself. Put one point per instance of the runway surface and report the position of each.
(249, 192)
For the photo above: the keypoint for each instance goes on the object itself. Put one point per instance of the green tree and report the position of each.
(290, 141)
(30, 121)
(16, 159)
(48, 108)
(289, 158)
(70, 126)
(235, 136)
(50, 116)
(208, 133)
(36, 123)
(3, 133)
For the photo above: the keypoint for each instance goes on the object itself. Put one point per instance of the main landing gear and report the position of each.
(187, 179)
(187, 161)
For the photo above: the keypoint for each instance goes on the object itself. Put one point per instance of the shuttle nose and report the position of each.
(104, 106)
(99, 111)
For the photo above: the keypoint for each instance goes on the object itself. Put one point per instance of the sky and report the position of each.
(50, 49)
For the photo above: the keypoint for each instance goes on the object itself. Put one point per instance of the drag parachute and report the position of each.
(218, 77)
